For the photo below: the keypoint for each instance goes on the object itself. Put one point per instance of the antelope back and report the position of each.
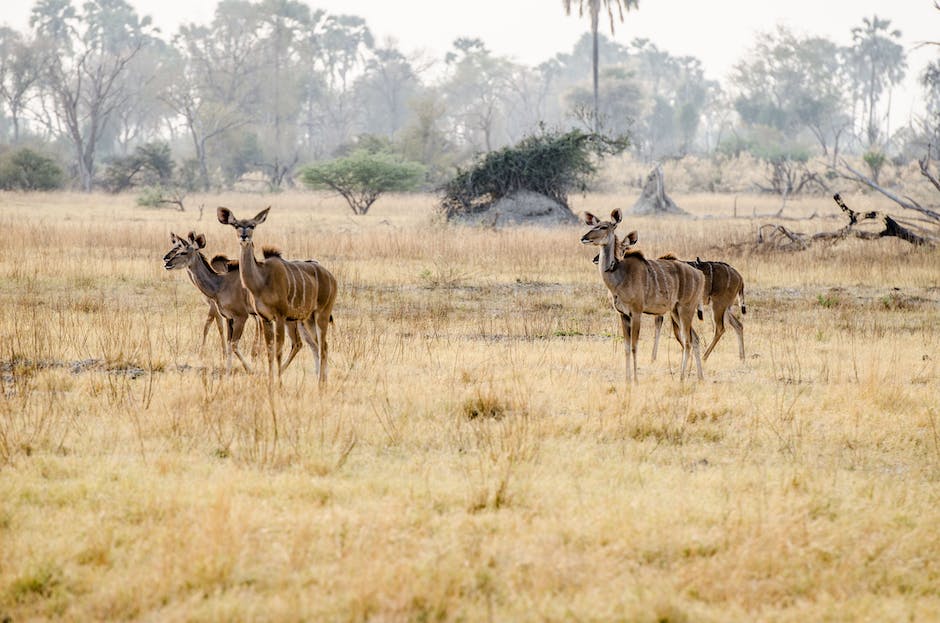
(725, 279)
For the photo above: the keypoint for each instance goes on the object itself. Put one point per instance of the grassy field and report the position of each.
(477, 454)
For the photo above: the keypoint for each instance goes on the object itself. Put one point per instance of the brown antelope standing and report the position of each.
(213, 315)
(222, 287)
(723, 285)
(282, 290)
(638, 286)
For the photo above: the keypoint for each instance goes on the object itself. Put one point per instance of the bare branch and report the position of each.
(907, 204)
(925, 170)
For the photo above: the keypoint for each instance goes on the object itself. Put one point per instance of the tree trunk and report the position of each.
(654, 200)
(595, 10)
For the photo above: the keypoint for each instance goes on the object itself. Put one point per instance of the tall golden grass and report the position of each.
(477, 454)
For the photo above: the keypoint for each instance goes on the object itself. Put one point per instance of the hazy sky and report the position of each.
(718, 32)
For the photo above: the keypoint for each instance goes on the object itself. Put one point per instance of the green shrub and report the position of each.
(149, 165)
(26, 169)
(551, 164)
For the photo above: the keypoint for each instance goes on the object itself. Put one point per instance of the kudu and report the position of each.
(280, 290)
(639, 286)
(213, 316)
(723, 284)
(220, 283)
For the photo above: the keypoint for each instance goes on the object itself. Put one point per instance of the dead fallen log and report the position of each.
(893, 228)
(776, 236)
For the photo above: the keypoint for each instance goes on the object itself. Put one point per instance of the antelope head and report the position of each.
(183, 250)
(603, 233)
(176, 243)
(243, 227)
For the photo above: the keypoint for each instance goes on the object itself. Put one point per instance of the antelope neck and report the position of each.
(608, 254)
(251, 275)
(207, 280)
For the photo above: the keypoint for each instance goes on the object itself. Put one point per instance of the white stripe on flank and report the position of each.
(290, 288)
(303, 283)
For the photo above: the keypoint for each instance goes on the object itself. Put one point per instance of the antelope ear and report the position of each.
(192, 236)
(261, 216)
(200, 241)
(616, 216)
(632, 237)
(589, 219)
(225, 216)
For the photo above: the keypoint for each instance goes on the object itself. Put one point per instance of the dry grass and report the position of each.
(476, 455)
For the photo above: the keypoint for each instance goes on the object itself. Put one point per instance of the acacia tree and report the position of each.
(593, 8)
(363, 176)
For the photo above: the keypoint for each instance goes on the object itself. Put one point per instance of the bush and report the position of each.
(26, 169)
(550, 164)
(363, 176)
(158, 196)
(150, 164)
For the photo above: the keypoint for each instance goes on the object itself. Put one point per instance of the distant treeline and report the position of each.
(99, 94)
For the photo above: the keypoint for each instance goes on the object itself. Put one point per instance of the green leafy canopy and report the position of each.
(363, 176)
(550, 163)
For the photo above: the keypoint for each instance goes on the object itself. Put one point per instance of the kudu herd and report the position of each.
(297, 296)
(292, 295)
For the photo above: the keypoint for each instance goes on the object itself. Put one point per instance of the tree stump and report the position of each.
(654, 200)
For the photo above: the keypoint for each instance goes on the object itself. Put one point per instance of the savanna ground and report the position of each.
(477, 454)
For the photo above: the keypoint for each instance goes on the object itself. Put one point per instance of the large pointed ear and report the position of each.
(261, 216)
(616, 216)
(225, 216)
(200, 241)
(589, 219)
(632, 237)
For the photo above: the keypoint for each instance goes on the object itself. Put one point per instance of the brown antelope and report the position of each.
(213, 315)
(723, 284)
(639, 286)
(223, 289)
(282, 290)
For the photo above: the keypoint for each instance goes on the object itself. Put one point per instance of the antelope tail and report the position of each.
(741, 300)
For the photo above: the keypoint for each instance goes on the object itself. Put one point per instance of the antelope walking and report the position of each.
(223, 290)
(639, 286)
(282, 290)
(723, 284)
